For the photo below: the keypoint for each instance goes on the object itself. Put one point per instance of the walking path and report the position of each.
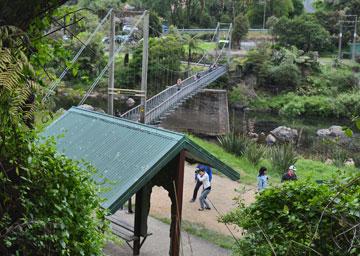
(158, 243)
(223, 192)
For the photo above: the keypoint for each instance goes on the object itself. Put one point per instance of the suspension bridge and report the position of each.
(156, 108)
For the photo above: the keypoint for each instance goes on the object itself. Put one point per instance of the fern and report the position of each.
(17, 83)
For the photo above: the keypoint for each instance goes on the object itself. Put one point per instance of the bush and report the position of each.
(233, 143)
(301, 218)
(356, 158)
(282, 156)
(60, 213)
(254, 153)
(284, 76)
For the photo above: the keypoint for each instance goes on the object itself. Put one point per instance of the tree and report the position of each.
(278, 8)
(155, 28)
(301, 218)
(164, 58)
(49, 204)
(241, 28)
(304, 32)
(192, 44)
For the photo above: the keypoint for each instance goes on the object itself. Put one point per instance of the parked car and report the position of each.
(127, 28)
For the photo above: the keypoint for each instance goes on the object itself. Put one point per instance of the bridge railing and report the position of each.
(134, 113)
(206, 78)
(161, 102)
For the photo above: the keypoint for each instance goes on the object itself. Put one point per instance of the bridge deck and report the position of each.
(174, 96)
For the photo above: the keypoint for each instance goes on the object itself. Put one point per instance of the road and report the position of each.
(308, 6)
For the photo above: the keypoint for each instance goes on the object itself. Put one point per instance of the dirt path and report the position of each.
(222, 194)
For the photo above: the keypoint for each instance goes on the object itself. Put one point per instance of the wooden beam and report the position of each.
(179, 187)
(138, 221)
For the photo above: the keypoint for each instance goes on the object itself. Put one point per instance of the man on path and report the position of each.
(208, 170)
(204, 178)
(290, 174)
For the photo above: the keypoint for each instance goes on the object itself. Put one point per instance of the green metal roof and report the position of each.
(128, 154)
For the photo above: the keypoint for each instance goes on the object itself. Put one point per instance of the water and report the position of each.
(245, 121)
(98, 101)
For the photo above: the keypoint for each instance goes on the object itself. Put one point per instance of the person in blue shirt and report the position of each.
(262, 179)
(208, 170)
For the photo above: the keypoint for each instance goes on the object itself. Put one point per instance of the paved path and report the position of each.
(308, 6)
(158, 243)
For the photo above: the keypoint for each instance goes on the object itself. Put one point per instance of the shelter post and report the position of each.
(179, 187)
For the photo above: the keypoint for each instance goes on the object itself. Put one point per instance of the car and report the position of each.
(122, 38)
(128, 28)
(105, 40)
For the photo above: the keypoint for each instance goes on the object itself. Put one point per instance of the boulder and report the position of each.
(336, 131)
(329, 161)
(349, 162)
(270, 139)
(323, 133)
(285, 134)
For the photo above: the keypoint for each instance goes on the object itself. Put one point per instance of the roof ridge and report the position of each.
(115, 120)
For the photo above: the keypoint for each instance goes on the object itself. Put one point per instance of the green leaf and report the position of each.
(348, 132)
(357, 122)
(286, 209)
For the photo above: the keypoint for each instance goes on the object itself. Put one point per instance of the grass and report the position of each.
(198, 230)
(306, 168)
(203, 46)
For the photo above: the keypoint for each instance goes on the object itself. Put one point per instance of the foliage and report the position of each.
(301, 218)
(233, 143)
(241, 28)
(277, 8)
(155, 28)
(303, 31)
(23, 14)
(164, 58)
(58, 217)
(49, 204)
(282, 156)
(254, 153)
(284, 76)
(306, 168)
(356, 158)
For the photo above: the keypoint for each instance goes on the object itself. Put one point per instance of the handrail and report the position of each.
(173, 95)
(157, 111)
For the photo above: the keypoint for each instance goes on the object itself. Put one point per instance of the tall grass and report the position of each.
(233, 143)
(254, 153)
(282, 156)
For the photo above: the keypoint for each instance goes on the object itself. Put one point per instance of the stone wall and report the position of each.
(206, 113)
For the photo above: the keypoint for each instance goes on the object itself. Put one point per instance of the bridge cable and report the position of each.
(57, 82)
(120, 48)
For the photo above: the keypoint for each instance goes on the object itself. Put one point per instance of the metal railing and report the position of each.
(211, 30)
(173, 96)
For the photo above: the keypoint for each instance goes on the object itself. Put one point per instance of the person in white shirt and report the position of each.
(204, 178)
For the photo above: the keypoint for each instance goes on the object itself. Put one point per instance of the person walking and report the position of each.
(290, 174)
(262, 179)
(198, 184)
(204, 178)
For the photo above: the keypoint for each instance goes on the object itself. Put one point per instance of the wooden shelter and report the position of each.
(134, 157)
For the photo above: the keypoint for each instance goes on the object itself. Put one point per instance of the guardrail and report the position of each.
(163, 101)
(211, 30)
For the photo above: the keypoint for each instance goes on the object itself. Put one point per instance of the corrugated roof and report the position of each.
(128, 154)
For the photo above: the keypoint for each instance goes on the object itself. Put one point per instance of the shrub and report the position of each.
(356, 158)
(60, 208)
(284, 76)
(254, 153)
(282, 156)
(301, 218)
(233, 143)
